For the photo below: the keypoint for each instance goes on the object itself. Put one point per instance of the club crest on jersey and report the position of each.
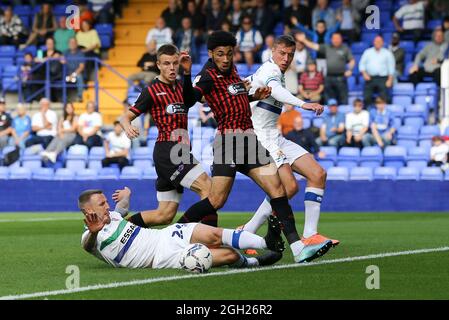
(237, 88)
(176, 108)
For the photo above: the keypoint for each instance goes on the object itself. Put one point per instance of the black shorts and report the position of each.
(170, 172)
(240, 152)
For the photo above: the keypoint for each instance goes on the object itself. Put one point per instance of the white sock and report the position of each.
(296, 247)
(312, 203)
(259, 217)
(245, 262)
(242, 239)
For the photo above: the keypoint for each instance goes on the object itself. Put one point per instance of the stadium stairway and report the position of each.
(130, 32)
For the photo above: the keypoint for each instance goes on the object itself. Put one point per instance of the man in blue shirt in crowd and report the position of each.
(22, 126)
(73, 58)
(382, 126)
(333, 128)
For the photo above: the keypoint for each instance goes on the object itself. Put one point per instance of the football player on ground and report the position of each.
(236, 147)
(288, 155)
(121, 243)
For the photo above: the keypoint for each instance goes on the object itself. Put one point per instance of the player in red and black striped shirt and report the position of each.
(236, 143)
(176, 167)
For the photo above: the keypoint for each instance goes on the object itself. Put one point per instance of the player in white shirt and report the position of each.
(120, 243)
(287, 155)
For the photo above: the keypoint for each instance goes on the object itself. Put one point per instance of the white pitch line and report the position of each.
(39, 219)
(213, 274)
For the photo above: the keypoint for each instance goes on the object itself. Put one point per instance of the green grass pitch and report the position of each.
(37, 248)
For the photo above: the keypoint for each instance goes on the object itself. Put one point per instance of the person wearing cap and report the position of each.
(311, 84)
(382, 126)
(438, 152)
(5, 125)
(398, 53)
(357, 125)
(333, 127)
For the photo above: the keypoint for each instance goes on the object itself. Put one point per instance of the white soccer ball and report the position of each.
(196, 258)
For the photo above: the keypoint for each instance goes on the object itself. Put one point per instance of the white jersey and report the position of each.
(123, 244)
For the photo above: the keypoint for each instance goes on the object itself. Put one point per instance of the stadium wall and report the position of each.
(355, 196)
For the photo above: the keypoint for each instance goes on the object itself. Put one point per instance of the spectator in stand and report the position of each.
(63, 35)
(301, 12)
(26, 75)
(300, 58)
(413, 15)
(267, 53)
(215, 15)
(338, 55)
(73, 59)
(207, 116)
(117, 146)
(54, 65)
(350, 18)
(148, 65)
(321, 34)
(357, 125)
(185, 39)
(263, 17)
(44, 25)
(89, 127)
(286, 119)
(235, 15)
(433, 55)
(445, 28)
(22, 126)
(322, 11)
(160, 33)
(311, 84)
(85, 15)
(172, 15)
(11, 28)
(438, 152)
(103, 10)
(438, 9)
(197, 17)
(89, 40)
(67, 128)
(377, 66)
(6, 129)
(398, 54)
(304, 137)
(44, 125)
(249, 42)
(382, 126)
(333, 128)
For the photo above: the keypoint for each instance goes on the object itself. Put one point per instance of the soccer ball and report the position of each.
(196, 258)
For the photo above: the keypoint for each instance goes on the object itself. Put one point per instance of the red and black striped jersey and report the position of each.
(166, 106)
(227, 97)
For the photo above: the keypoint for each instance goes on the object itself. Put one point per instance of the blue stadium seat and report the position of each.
(326, 164)
(396, 110)
(106, 41)
(359, 47)
(337, 173)
(432, 24)
(78, 152)
(22, 10)
(406, 143)
(317, 122)
(426, 143)
(427, 132)
(43, 174)
(149, 173)
(361, 173)
(407, 45)
(142, 153)
(349, 154)
(371, 157)
(426, 88)
(95, 164)
(75, 165)
(104, 28)
(347, 164)
(446, 176)
(385, 173)
(307, 123)
(331, 153)
(368, 37)
(109, 173)
(64, 174)
(7, 51)
(345, 108)
(408, 173)
(86, 174)
(420, 45)
(20, 173)
(431, 173)
(152, 133)
(131, 173)
(32, 164)
(405, 89)
(394, 156)
(97, 153)
(4, 173)
(59, 10)
(418, 153)
(416, 122)
(408, 132)
(142, 163)
(402, 100)
(430, 101)
(419, 164)
(417, 110)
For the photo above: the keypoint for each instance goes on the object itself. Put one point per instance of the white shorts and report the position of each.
(283, 151)
(171, 243)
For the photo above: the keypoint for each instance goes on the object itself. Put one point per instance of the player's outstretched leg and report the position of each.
(240, 261)
(273, 238)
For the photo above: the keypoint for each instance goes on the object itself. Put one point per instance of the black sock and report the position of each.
(198, 211)
(137, 220)
(284, 212)
(210, 220)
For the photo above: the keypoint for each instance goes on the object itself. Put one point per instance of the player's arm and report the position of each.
(143, 104)
(122, 199)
